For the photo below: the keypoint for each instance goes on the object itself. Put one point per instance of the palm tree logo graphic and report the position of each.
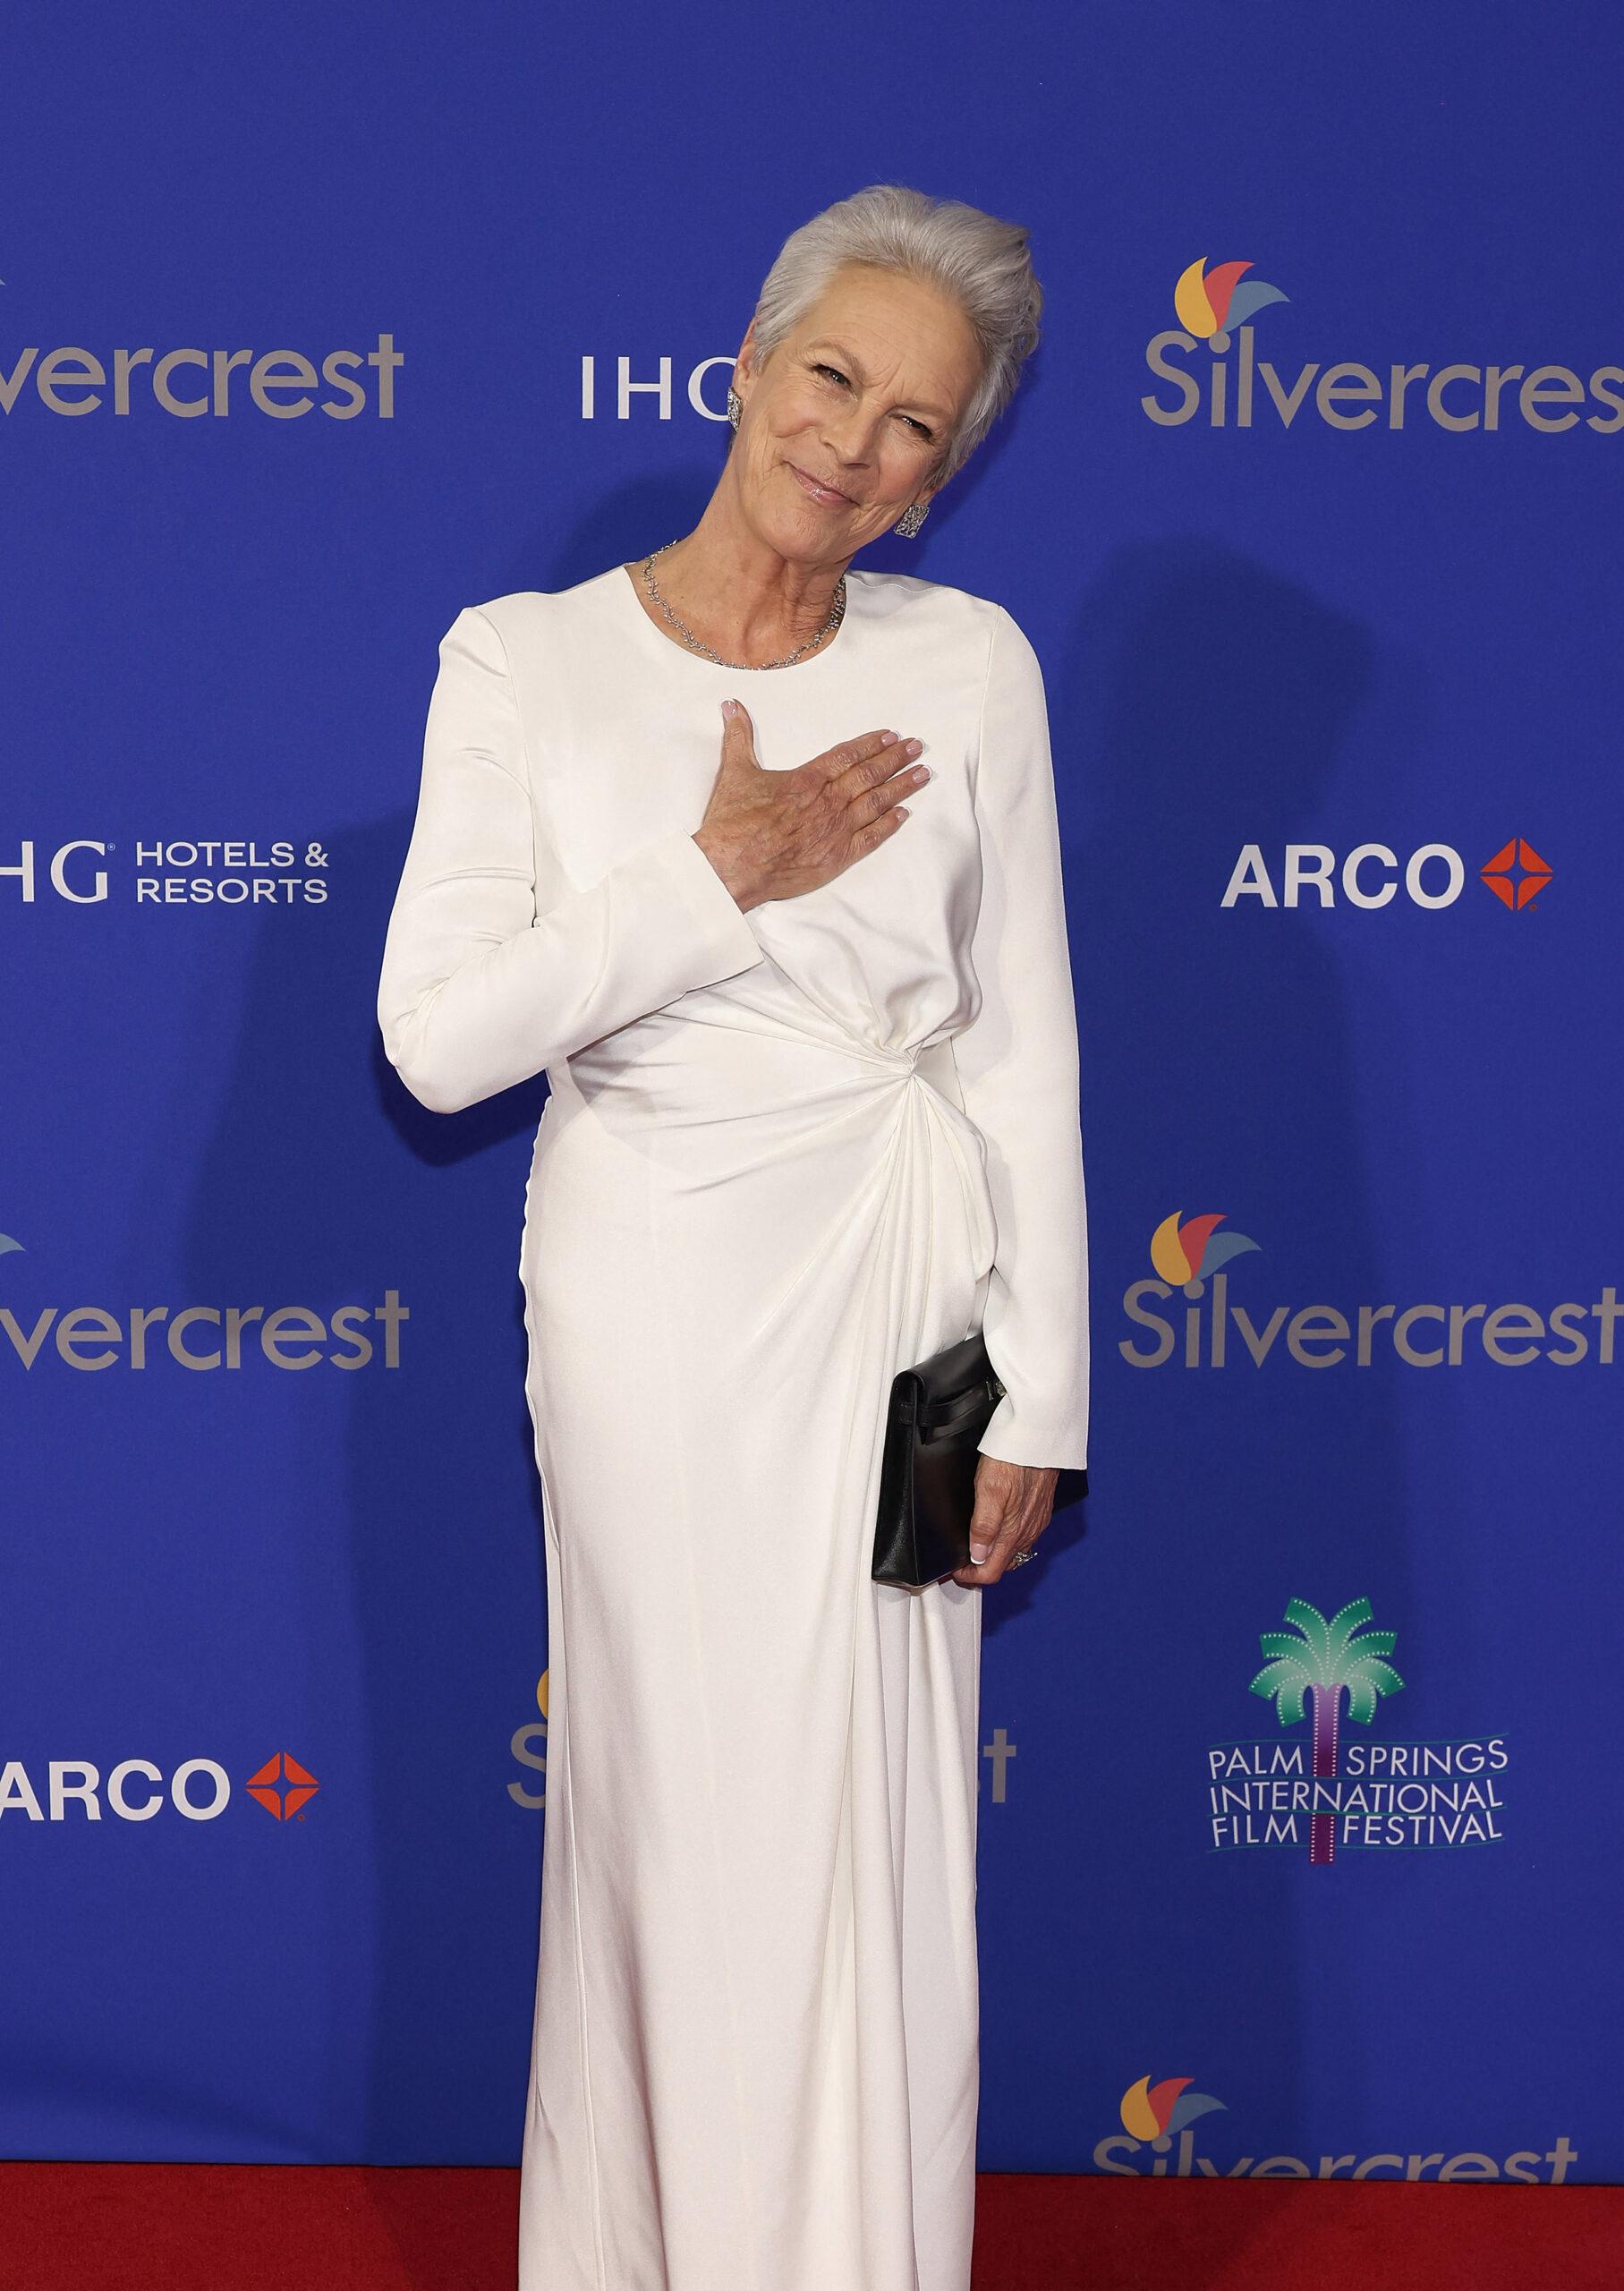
(1320, 1661)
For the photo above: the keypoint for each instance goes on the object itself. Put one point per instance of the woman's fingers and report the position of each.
(875, 762)
(738, 737)
(1012, 1506)
(863, 760)
(774, 835)
(868, 803)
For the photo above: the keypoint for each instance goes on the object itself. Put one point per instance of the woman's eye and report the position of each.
(923, 428)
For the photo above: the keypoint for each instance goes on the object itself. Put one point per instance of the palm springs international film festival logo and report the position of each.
(1155, 2115)
(1190, 1256)
(1303, 1787)
(1213, 308)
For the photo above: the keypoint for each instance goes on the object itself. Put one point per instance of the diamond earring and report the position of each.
(735, 407)
(912, 518)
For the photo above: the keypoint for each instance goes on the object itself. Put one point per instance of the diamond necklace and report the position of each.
(836, 615)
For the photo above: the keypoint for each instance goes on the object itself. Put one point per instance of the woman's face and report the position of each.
(851, 417)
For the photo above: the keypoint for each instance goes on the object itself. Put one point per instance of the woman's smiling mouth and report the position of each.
(819, 492)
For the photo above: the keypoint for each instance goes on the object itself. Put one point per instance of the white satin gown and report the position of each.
(785, 1153)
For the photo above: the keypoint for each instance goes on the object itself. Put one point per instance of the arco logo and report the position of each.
(283, 1786)
(1370, 875)
(1516, 874)
(135, 1789)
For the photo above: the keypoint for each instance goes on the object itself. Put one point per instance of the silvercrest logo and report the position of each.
(73, 381)
(91, 1337)
(1212, 306)
(1186, 1253)
(1154, 2115)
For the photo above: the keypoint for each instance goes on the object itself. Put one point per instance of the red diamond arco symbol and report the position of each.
(1517, 874)
(283, 1786)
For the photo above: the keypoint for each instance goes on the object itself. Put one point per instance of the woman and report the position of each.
(807, 1013)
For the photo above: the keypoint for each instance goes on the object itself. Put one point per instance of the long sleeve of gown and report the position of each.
(1018, 1069)
(489, 976)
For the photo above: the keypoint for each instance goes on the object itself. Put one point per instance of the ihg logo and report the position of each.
(70, 876)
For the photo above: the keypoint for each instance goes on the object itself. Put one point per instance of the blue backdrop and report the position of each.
(313, 330)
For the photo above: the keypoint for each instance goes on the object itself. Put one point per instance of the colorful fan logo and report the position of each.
(1152, 2111)
(1192, 1250)
(1209, 303)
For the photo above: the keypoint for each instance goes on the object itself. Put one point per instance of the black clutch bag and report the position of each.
(938, 1411)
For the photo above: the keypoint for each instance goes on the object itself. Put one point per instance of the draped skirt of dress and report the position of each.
(755, 2056)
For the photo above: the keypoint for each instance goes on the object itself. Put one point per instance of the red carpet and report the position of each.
(275, 2228)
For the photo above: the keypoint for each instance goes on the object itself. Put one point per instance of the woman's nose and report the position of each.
(849, 435)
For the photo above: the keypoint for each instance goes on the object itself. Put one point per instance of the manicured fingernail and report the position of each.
(978, 1553)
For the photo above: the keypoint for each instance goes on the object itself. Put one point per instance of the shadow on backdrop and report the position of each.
(1206, 703)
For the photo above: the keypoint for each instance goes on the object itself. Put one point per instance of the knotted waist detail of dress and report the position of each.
(931, 1061)
(717, 1091)
(715, 1060)
(929, 1076)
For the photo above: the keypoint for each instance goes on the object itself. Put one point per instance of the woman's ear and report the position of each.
(745, 363)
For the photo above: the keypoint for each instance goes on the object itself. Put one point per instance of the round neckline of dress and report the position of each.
(628, 581)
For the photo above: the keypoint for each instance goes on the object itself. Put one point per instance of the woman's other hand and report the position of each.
(776, 834)
(1013, 1506)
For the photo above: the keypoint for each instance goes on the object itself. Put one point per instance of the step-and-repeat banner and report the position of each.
(1299, 1815)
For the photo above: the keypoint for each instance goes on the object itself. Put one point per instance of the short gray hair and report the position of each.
(984, 263)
